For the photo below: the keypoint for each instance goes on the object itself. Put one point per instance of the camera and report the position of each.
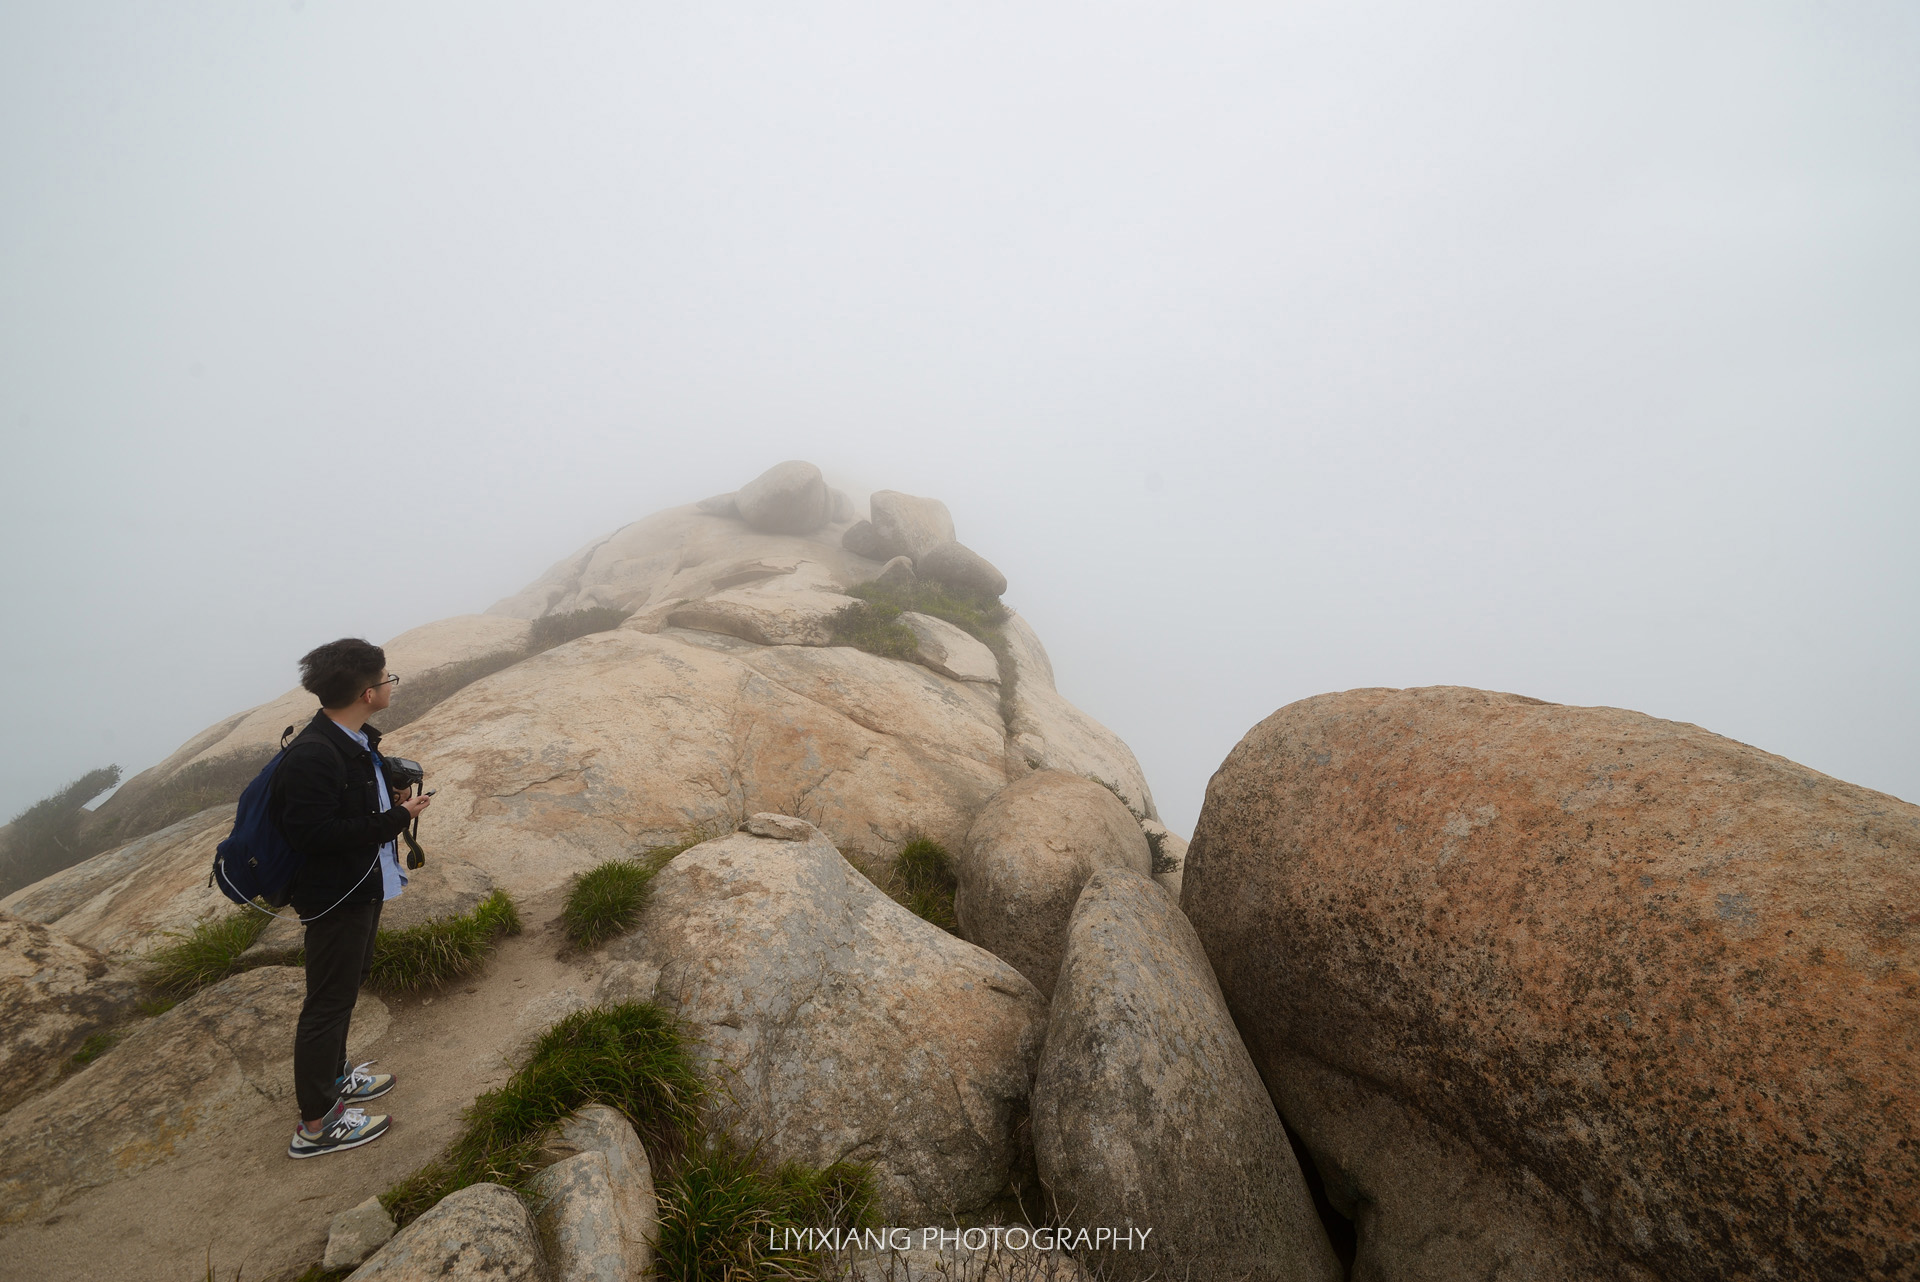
(401, 774)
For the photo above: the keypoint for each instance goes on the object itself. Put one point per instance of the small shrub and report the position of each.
(433, 952)
(419, 695)
(632, 1057)
(1114, 788)
(558, 629)
(722, 1215)
(876, 629)
(46, 838)
(130, 815)
(923, 871)
(1162, 861)
(979, 615)
(605, 902)
(204, 955)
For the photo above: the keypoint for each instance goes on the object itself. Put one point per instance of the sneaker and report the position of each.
(342, 1128)
(356, 1085)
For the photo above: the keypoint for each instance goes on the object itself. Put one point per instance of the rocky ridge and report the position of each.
(1694, 958)
(720, 696)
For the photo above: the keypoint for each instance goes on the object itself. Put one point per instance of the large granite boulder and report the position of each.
(178, 1083)
(53, 994)
(1573, 992)
(787, 498)
(959, 566)
(906, 525)
(480, 1232)
(1148, 1113)
(626, 738)
(843, 1025)
(1027, 856)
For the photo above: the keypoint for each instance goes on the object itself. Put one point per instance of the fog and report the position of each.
(1571, 350)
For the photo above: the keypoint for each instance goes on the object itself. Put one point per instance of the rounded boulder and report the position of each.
(1147, 1110)
(959, 566)
(842, 1025)
(1573, 990)
(1026, 857)
(787, 498)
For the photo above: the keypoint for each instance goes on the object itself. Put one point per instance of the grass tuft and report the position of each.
(204, 955)
(923, 874)
(722, 1212)
(716, 1200)
(632, 1057)
(434, 952)
(605, 902)
(96, 1045)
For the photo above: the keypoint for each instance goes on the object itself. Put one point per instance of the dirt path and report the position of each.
(261, 1214)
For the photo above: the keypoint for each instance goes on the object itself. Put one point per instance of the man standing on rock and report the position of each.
(332, 804)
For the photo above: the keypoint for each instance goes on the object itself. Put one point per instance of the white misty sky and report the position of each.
(1269, 349)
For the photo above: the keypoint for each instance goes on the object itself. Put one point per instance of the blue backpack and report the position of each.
(255, 861)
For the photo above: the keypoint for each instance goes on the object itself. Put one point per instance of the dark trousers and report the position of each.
(339, 959)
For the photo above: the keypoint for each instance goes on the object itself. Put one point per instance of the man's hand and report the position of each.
(414, 805)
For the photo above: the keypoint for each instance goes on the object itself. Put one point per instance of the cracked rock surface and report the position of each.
(53, 993)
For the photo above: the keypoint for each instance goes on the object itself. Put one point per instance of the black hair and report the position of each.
(338, 671)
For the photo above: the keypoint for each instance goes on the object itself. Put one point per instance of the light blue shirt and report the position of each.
(392, 880)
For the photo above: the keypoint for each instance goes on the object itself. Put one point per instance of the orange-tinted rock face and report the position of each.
(1672, 978)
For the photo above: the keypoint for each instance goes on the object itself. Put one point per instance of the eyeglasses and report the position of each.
(390, 681)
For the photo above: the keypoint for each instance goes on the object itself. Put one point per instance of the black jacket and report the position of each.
(326, 801)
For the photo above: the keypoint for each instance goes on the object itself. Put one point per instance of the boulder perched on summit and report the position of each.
(1026, 858)
(896, 573)
(959, 566)
(1148, 1111)
(843, 1025)
(906, 525)
(1573, 992)
(862, 539)
(787, 498)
